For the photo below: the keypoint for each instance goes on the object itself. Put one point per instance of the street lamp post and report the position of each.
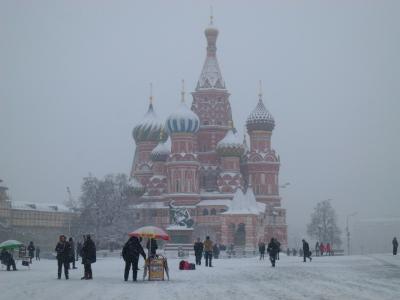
(348, 231)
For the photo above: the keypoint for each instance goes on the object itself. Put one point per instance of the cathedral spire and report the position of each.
(183, 91)
(211, 77)
(260, 93)
(151, 94)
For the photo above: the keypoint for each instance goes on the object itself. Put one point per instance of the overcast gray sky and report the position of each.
(74, 80)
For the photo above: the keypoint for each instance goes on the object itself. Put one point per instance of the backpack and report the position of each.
(192, 267)
(182, 265)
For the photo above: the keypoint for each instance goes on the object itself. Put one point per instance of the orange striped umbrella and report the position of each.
(150, 232)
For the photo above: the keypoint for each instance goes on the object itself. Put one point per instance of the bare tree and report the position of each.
(323, 225)
(104, 208)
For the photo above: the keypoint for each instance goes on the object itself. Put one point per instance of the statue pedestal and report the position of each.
(180, 234)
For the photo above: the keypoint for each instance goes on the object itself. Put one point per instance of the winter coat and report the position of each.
(321, 248)
(88, 252)
(31, 250)
(63, 249)
(6, 257)
(261, 248)
(72, 252)
(208, 246)
(154, 246)
(306, 248)
(216, 250)
(328, 248)
(132, 249)
(273, 248)
(317, 247)
(198, 248)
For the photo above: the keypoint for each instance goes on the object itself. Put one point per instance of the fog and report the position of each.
(74, 80)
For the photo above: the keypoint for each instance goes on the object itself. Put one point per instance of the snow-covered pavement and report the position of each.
(356, 277)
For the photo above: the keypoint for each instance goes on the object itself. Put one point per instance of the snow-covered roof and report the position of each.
(49, 207)
(231, 144)
(244, 203)
(177, 227)
(148, 205)
(161, 151)
(222, 202)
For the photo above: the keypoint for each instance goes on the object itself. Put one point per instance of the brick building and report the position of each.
(196, 160)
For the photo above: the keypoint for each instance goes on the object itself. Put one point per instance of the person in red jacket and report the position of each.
(328, 249)
(321, 248)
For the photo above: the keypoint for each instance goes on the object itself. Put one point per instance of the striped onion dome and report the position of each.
(230, 145)
(260, 118)
(183, 120)
(149, 128)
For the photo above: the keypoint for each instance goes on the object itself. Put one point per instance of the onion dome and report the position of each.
(260, 118)
(150, 127)
(230, 145)
(138, 188)
(161, 152)
(183, 120)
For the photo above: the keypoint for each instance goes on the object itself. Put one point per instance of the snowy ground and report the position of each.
(355, 277)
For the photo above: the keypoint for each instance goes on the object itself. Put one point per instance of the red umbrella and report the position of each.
(150, 232)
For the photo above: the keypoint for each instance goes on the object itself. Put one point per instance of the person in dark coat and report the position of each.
(78, 250)
(306, 251)
(395, 246)
(152, 246)
(317, 249)
(198, 251)
(130, 253)
(31, 251)
(273, 249)
(261, 249)
(294, 251)
(88, 257)
(7, 259)
(216, 251)
(279, 248)
(63, 249)
(37, 253)
(288, 251)
(72, 253)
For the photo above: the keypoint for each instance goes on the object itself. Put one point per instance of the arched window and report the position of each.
(205, 212)
(213, 212)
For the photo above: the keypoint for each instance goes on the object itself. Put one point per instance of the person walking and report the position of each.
(88, 257)
(294, 251)
(395, 246)
(208, 250)
(198, 251)
(63, 249)
(152, 246)
(288, 251)
(317, 249)
(306, 251)
(72, 253)
(130, 253)
(321, 249)
(279, 248)
(261, 249)
(273, 250)
(31, 251)
(37, 253)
